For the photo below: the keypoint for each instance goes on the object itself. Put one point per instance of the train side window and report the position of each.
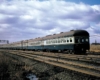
(70, 40)
(87, 40)
(56, 41)
(67, 40)
(82, 40)
(64, 41)
(77, 40)
(53, 41)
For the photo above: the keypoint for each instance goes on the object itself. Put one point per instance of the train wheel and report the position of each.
(68, 51)
(71, 51)
(47, 50)
(59, 51)
(83, 51)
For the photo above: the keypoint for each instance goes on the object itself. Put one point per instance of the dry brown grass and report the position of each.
(95, 48)
(10, 68)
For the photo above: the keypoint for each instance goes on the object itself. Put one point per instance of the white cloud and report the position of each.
(29, 19)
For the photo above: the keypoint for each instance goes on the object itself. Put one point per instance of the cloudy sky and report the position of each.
(26, 19)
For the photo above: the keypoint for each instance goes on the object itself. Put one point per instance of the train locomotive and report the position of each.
(73, 42)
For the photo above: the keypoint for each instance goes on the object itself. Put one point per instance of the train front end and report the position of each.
(82, 43)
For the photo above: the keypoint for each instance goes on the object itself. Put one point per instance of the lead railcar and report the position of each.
(74, 41)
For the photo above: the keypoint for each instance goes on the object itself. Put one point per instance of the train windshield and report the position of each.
(81, 40)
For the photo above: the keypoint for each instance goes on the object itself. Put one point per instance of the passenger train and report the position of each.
(73, 42)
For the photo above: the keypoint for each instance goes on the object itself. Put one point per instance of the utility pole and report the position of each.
(95, 42)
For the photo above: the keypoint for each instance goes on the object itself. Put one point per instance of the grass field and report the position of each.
(95, 48)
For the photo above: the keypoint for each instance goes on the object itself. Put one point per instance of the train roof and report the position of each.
(78, 33)
(68, 34)
(62, 34)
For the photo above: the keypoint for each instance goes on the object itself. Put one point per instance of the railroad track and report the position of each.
(87, 64)
(88, 58)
